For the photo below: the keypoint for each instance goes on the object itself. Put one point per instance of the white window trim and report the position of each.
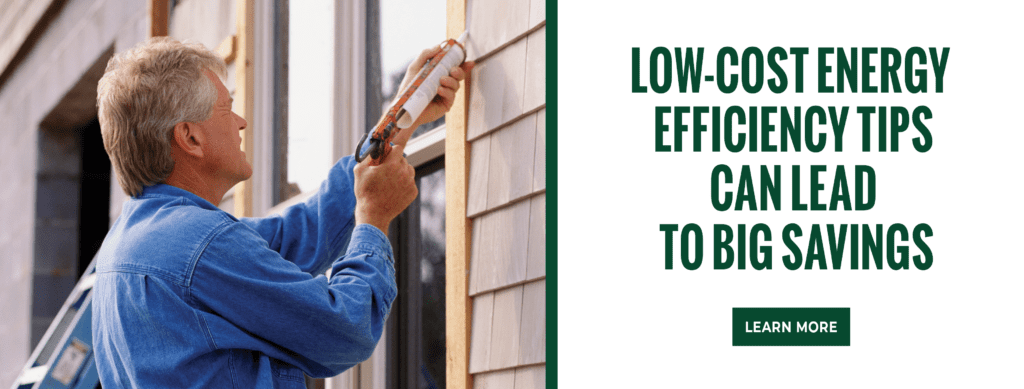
(425, 147)
(263, 105)
(349, 98)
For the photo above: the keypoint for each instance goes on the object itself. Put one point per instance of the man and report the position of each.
(189, 296)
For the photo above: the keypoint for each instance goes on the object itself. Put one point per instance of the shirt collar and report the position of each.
(164, 190)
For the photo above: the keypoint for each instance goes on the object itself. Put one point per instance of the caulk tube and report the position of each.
(428, 89)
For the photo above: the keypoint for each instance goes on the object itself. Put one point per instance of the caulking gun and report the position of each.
(413, 100)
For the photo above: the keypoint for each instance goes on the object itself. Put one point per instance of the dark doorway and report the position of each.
(72, 204)
(94, 215)
(72, 215)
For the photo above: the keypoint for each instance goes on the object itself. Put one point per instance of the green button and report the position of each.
(791, 326)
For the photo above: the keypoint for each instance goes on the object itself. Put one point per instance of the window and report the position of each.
(336, 67)
(309, 98)
(302, 40)
(399, 31)
(329, 82)
(416, 327)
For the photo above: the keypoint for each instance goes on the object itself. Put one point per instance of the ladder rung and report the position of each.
(33, 375)
(87, 281)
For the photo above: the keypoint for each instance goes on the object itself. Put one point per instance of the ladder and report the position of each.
(64, 358)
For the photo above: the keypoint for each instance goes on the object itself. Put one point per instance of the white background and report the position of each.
(625, 321)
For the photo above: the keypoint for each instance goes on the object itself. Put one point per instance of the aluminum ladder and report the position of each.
(64, 358)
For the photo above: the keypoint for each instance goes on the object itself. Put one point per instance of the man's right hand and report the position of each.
(385, 190)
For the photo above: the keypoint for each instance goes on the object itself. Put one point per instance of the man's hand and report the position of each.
(385, 190)
(445, 92)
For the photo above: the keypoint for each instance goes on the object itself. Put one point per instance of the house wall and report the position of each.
(506, 200)
(75, 39)
(18, 21)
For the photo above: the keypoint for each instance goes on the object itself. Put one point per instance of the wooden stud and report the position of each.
(227, 49)
(458, 304)
(244, 93)
(159, 17)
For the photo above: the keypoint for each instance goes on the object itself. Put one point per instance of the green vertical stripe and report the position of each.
(551, 126)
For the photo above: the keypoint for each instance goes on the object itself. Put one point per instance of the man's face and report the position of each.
(223, 154)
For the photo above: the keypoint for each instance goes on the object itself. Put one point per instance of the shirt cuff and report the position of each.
(366, 237)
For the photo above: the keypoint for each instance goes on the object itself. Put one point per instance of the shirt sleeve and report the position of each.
(312, 234)
(256, 300)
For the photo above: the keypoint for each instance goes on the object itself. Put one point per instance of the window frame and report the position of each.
(405, 322)
(263, 108)
(349, 102)
(347, 96)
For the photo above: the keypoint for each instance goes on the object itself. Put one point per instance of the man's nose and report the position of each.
(240, 119)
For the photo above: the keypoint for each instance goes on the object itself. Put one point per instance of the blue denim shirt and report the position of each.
(188, 296)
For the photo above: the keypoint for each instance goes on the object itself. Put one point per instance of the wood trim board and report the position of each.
(227, 49)
(159, 17)
(458, 228)
(244, 76)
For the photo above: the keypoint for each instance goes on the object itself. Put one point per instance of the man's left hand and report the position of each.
(445, 92)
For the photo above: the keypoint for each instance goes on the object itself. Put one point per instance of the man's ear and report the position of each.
(189, 138)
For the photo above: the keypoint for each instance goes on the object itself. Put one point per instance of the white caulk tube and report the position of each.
(428, 89)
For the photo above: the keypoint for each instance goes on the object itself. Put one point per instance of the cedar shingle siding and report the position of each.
(506, 193)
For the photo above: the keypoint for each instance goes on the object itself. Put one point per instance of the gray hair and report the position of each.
(143, 94)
